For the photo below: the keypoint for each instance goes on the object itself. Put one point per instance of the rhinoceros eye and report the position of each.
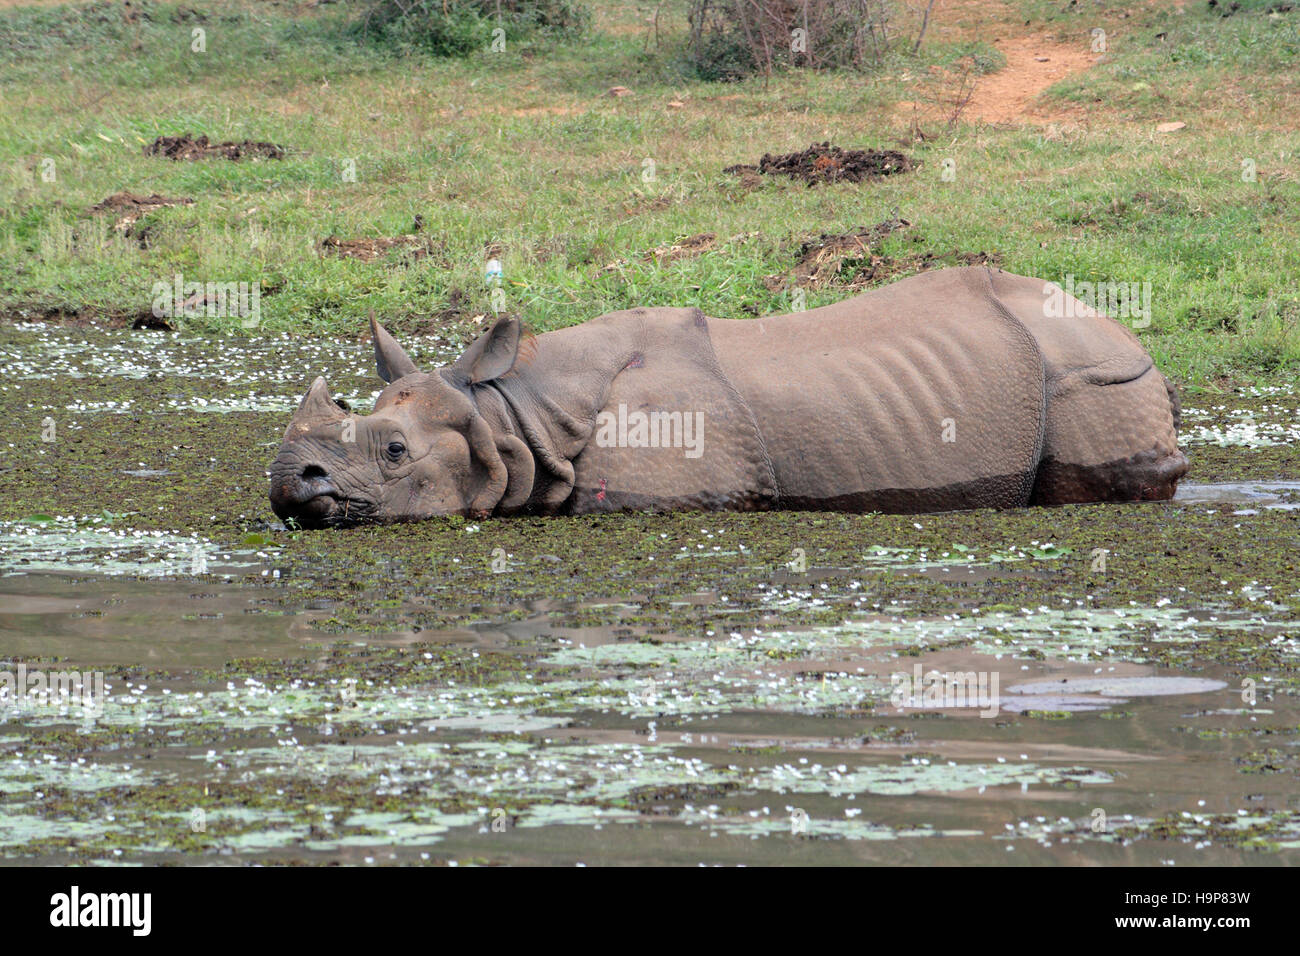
(395, 450)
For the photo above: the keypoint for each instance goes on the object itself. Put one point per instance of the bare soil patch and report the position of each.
(823, 163)
(850, 261)
(1012, 94)
(687, 248)
(130, 208)
(413, 248)
(188, 147)
(1033, 64)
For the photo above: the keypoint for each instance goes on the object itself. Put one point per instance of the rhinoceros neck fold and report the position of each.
(655, 364)
(551, 403)
(552, 458)
(554, 397)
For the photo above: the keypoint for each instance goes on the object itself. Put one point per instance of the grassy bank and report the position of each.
(522, 153)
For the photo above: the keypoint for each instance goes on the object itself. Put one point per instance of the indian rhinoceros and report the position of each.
(951, 389)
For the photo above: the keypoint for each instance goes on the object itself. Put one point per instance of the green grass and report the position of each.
(523, 149)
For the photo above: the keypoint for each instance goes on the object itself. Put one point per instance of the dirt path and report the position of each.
(1033, 64)
(1034, 61)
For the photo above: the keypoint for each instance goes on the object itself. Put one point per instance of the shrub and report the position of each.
(731, 39)
(458, 27)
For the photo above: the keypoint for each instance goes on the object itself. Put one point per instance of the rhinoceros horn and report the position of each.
(391, 360)
(317, 408)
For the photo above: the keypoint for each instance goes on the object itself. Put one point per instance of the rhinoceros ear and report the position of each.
(493, 353)
(390, 360)
(317, 407)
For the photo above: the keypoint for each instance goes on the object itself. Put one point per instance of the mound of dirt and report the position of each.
(824, 163)
(823, 259)
(188, 147)
(848, 261)
(130, 208)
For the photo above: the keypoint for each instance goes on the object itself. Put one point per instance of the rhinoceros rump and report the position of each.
(951, 389)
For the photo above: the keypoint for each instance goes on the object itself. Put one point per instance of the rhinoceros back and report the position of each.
(923, 395)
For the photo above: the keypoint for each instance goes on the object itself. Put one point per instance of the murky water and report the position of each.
(1099, 684)
(601, 744)
(1244, 496)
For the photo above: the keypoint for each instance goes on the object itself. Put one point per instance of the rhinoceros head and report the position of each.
(425, 450)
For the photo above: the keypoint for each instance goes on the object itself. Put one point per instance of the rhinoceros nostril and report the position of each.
(313, 471)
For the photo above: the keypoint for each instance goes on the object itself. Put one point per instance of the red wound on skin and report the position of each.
(600, 495)
(637, 361)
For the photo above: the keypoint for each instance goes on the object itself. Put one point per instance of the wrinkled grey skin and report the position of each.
(952, 389)
(424, 451)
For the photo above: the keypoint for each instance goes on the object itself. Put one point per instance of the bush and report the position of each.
(732, 39)
(458, 27)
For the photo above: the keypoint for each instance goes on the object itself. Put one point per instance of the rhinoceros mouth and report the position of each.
(328, 509)
(347, 512)
(331, 510)
(317, 511)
